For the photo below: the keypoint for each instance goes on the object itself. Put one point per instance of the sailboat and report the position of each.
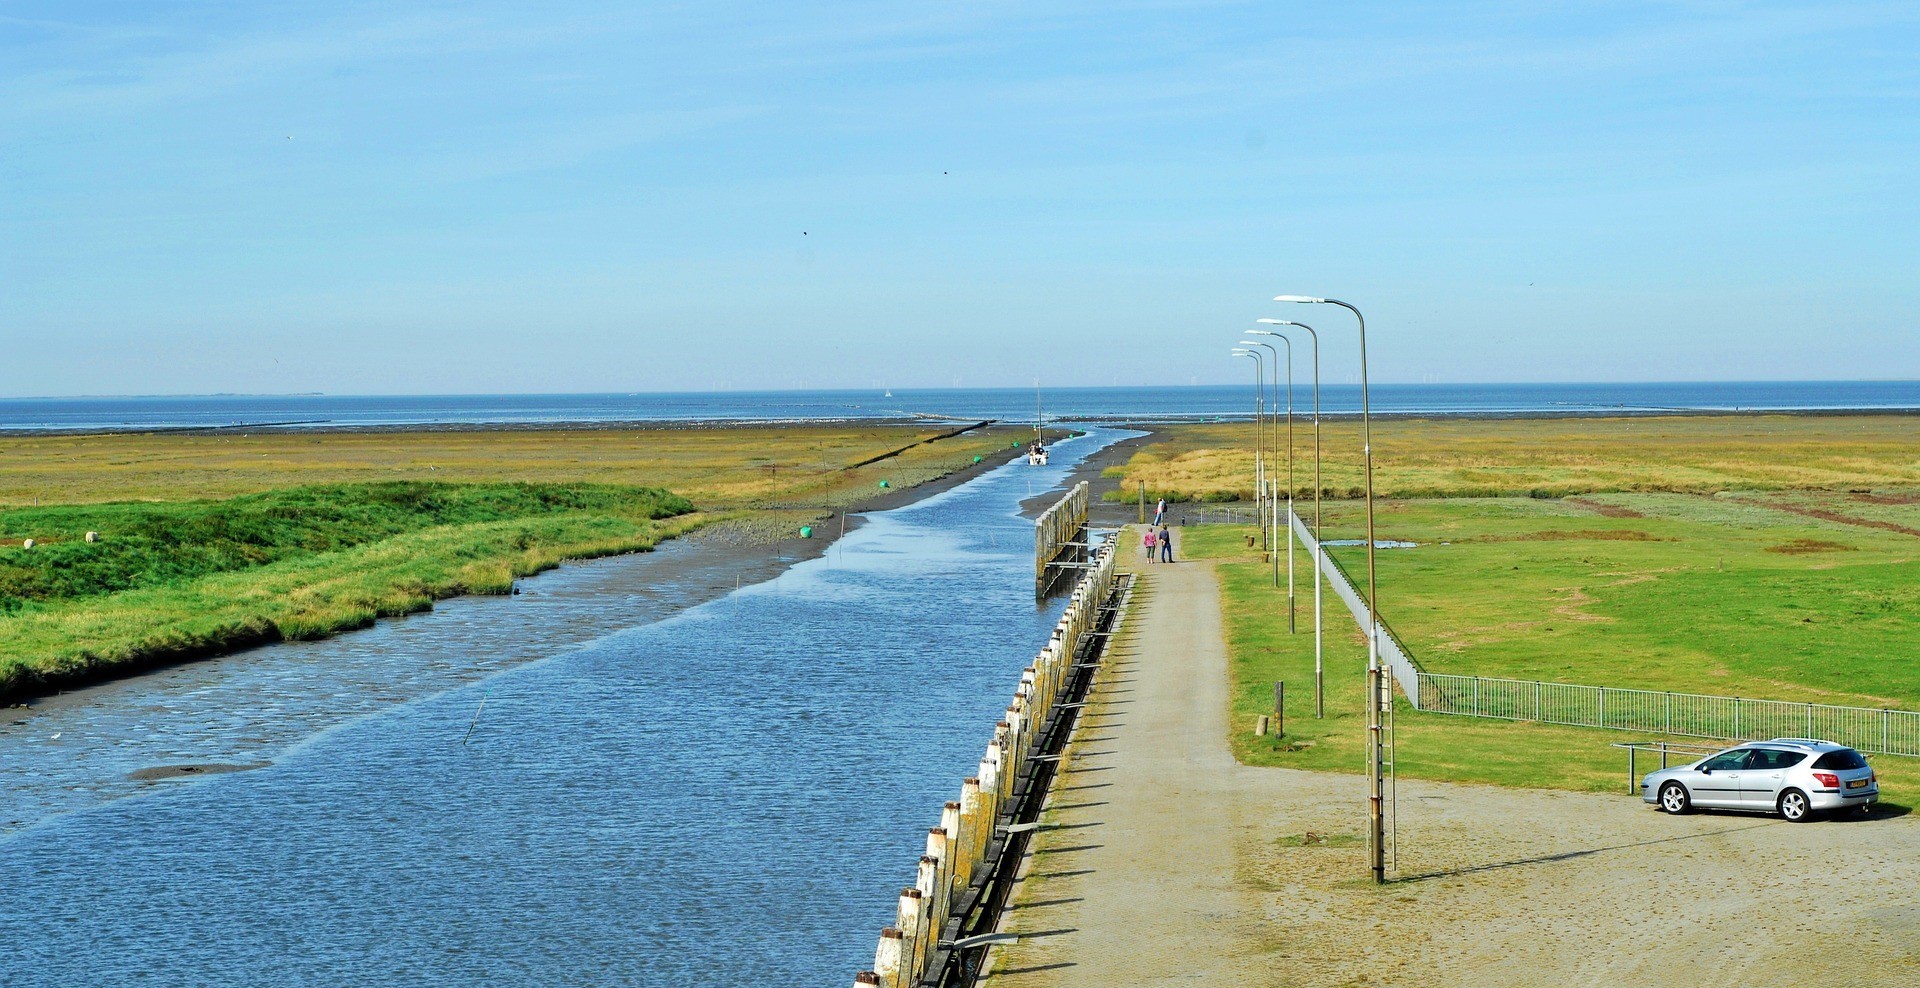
(1037, 453)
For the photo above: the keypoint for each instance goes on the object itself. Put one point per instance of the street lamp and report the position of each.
(1269, 539)
(1275, 505)
(1377, 695)
(1319, 693)
(1259, 434)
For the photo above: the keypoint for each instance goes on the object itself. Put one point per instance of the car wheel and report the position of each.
(1794, 806)
(1674, 798)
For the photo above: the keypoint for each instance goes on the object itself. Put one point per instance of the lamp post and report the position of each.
(1259, 434)
(1275, 506)
(1378, 697)
(1319, 564)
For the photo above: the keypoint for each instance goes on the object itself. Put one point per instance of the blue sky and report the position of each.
(479, 197)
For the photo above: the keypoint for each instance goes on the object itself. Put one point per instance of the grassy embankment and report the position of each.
(212, 541)
(1783, 594)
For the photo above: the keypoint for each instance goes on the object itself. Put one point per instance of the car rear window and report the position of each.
(1840, 761)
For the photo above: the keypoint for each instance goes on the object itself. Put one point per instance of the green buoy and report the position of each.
(885, 484)
(976, 459)
(806, 531)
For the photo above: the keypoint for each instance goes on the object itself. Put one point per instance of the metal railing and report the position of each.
(1666, 750)
(1698, 715)
(1393, 652)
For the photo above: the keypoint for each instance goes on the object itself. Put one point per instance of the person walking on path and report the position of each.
(1160, 511)
(1166, 545)
(1148, 542)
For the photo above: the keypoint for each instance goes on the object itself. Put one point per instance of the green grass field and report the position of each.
(1744, 594)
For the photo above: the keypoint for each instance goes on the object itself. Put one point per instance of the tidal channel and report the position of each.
(584, 784)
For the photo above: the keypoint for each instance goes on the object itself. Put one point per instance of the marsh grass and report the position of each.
(717, 468)
(160, 544)
(1548, 458)
(213, 542)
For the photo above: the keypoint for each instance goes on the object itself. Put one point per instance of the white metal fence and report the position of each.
(1893, 732)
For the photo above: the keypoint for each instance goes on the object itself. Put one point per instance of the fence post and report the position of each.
(1603, 706)
(1279, 708)
(1669, 730)
(1809, 720)
(1631, 774)
(1476, 696)
(1884, 717)
(1736, 717)
(1537, 715)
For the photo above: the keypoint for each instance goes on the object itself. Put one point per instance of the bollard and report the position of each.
(940, 899)
(908, 924)
(956, 827)
(975, 827)
(928, 933)
(1260, 726)
(886, 960)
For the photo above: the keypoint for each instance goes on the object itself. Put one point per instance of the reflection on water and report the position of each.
(731, 796)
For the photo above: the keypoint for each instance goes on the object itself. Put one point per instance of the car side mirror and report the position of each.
(1705, 770)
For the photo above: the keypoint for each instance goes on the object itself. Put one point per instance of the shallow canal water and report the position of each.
(733, 795)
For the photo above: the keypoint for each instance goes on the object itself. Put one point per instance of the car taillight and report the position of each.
(1828, 779)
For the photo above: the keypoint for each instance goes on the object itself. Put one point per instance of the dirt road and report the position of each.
(1166, 862)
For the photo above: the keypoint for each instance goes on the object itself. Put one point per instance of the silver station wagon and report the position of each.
(1794, 777)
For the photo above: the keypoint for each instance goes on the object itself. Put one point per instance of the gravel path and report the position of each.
(1167, 862)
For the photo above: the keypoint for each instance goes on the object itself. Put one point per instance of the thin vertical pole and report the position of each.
(1375, 748)
(1290, 595)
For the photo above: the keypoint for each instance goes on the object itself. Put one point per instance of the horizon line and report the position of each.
(942, 388)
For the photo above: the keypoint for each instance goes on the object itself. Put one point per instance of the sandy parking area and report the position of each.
(1168, 863)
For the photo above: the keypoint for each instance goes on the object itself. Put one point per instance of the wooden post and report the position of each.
(975, 827)
(912, 907)
(940, 850)
(958, 865)
(927, 935)
(887, 959)
(1279, 708)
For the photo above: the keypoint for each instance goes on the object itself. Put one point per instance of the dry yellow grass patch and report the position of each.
(1551, 457)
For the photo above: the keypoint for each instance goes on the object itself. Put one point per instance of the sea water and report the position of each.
(1112, 404)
